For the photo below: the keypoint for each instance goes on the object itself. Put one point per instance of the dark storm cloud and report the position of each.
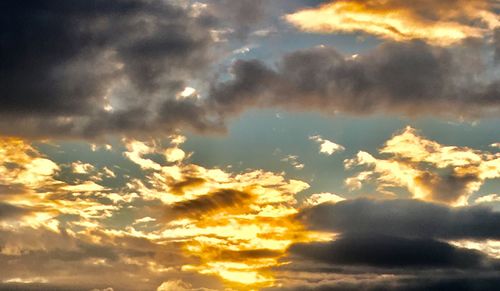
(63, 61)
(404, 218)
(409, 78)
(389, 252)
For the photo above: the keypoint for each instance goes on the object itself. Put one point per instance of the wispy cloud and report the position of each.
(432, 21)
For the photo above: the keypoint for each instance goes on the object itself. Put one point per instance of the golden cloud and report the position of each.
(237, 225)
(430, 171)
(232, 226)
(437, 22)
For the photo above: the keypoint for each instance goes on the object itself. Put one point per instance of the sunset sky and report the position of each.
(178, 145)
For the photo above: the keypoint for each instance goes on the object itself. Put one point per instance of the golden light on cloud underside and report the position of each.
(397, 20)
(233, 226)
(237, 225)
(430, 171)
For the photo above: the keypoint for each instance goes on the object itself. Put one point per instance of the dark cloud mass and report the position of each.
(63, 62)
(405, 218)
(389, 252)
(99, 67)
(408, 239)
(410, 78)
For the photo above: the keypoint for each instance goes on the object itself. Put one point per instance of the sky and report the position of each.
(182, 145)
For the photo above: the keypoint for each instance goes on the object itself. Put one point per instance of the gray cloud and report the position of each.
(404, 218)
(65, 65)
(404, 78)
(403, 238)
(64, 62)
(390, 252)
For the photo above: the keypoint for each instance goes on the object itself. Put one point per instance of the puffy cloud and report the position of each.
(400, 78)
(326, 147)
(399, 20)
(81, 168)
(429, 170)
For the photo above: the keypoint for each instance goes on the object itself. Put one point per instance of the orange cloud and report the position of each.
(437, 22)
(230, 227)
(430, 171)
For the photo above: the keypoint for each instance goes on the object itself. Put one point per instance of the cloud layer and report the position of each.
(122, 67)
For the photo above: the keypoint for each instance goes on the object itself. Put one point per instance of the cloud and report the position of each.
(326, 147)
(390, 252)
(404, 218)
(412, 79)
(161, 220)
(8, 211)
(293, 160)
(399, 20)
(488, 199)
(210, 203)
(394, 245)
(98, 67)
(429, 170)
(320, 198)
(179, 285)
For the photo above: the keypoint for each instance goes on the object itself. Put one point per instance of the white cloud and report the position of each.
(320, 198)
(326, 147)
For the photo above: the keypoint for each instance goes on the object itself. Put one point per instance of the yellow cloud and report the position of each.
(430, 171)
(432, 21)
(231, 226)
